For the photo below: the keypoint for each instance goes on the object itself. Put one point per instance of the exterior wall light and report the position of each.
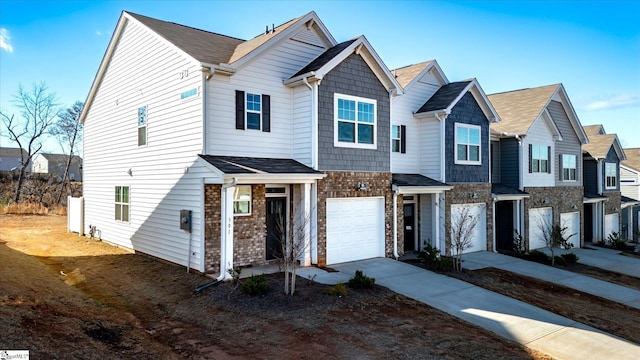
(361, 187)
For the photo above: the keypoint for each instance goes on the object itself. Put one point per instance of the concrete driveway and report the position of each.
(607, 259)
(525, 324)
(604, 289)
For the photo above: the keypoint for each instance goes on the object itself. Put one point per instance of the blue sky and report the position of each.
(592, 47)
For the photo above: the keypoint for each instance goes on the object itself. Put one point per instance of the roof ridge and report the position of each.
(406, 66)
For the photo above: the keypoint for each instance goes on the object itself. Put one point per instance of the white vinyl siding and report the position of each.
(423, 135)
(290, 120)
(162, 179)
(539, 134)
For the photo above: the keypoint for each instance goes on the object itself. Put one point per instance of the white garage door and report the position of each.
(355, 229)
(572, 222)
(611, 224)
(538, 219)
(479, 237)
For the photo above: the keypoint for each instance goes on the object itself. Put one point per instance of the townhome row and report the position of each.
(210, 151)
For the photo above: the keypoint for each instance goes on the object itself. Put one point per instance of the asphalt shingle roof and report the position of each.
(406, 74)
(12, 152)
(252, 165)
(324, 58)
(500, 189)
(444, 96)
(599, 142)
(633, 158)
(518, 109)
(415, 180)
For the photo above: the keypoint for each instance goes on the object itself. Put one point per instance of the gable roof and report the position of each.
(221, 53)
(406, 75)
(448, 96)
(57, 158)
(328, 60)
(518, 109)
(600, 143)
(250, 170)
(417, 184)
(204, 46)
(12, 152)
(632, 160)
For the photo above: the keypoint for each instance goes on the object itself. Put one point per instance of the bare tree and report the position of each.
(293, 249)
(37, 110)
(553, 235)
(68, 130)
(462, 227)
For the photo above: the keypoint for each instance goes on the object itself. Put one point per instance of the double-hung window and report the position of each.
(253, 111)
(398, 138)
(242, 200)
(122, 203)
(611, 175)
(355, 121)
(467, 150)
(568, 167)
(142, 125)
(539, 159)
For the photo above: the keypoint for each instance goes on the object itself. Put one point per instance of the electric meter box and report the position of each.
(185, 220)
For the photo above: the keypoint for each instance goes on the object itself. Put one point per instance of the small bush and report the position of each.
(338, 289)
(570, 258)
(429, 254)
(255, 285)
(537, 256)
(559, 260)
(621, 245)
(443, 264)
(361, 281)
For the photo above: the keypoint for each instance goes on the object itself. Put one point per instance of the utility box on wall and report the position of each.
(185, 220)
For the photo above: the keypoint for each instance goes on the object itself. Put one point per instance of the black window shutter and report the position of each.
(239, 110)
(530, 157)
(403, 139)
(560, 169)
(266, 113)
(549, 159)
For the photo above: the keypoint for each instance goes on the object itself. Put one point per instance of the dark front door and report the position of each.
(276, 226)
(504, 225)
(588, 223)
(409, 227)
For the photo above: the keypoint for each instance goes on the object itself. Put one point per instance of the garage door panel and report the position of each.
(538, 217)
(611, 224)
(572, 222)
(479, 241)
(355, 229)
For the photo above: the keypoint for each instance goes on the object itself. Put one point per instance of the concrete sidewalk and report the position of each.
(589, 285)
(607, 259)
(525, 324)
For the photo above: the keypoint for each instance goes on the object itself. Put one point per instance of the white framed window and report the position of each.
(569, 167)
(355, 122)
(190, 93)
(467, 150)
(611, 175)
(396, 138)
(254, 111)
(242, 200)
(142, 125)
(122, 203)
(539, 159)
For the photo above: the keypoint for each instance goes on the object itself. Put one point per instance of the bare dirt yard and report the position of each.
(69, 297)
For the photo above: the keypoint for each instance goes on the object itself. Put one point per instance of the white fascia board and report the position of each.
(274, 178)
(592, 201)
(546, 117)
(571, 113)
(509, 197)
(214, 170)
(618, 148)
(422, 189)
(482, 99)
(637, 172)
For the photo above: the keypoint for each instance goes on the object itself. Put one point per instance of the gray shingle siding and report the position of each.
(353, 77)
(612, 157)
(590, 176)
(509, 166)
(569, 145)
(467, 111)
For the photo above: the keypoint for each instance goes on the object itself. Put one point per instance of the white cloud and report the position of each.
(4, 40)
(617, 101)
(99, 33)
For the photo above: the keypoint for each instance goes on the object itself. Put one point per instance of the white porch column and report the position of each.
(304, 219)
(313, 196)
(226, 229)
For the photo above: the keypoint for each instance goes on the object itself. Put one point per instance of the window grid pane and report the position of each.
(365, 112)
(365, 134)
(346, 109)
(346, 131)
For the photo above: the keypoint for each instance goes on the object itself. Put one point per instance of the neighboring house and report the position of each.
(11, 159)
(440, 156)
(284, 134)
(537, 169)
(55, 164)
(630, 189)
(602, 204)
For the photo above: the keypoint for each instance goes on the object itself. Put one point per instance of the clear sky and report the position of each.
(592, 47)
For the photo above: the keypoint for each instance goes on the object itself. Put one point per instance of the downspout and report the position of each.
(442, 117)
(314, 165)
(395, 220)
(521, 161)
